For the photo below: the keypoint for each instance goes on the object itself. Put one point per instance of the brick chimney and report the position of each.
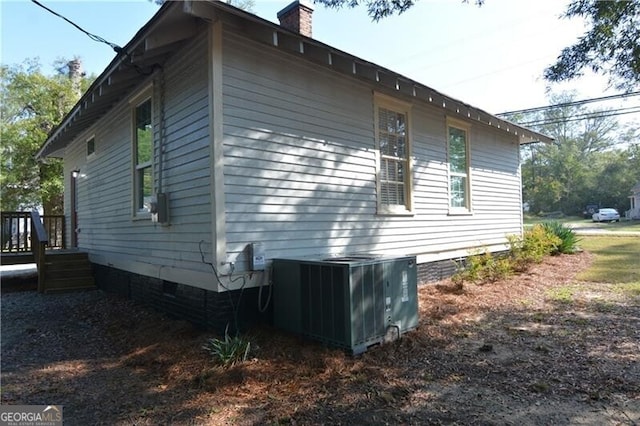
(297, 17)
(75, 74)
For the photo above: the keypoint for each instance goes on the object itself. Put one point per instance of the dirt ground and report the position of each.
(539, 349)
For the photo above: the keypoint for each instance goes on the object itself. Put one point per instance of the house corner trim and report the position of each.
(218, 222)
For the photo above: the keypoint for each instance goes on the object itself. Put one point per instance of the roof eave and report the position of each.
(114, 78)
(320, 53)
(120, 75)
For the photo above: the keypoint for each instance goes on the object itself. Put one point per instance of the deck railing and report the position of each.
(55, 227)
(17, 234)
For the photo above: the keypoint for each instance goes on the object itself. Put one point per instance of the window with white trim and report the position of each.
(394, 156)
(143, 155)
(458, 159)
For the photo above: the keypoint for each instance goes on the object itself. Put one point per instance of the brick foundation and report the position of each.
(436, 271)
(204, 308)
(209, 309)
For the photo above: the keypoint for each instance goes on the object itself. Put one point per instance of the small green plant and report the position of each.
(228, 351)
(467, 270)
(568, 239)
(535, 244)
(482, 268)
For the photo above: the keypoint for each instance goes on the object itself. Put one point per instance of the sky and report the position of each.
(491, 57)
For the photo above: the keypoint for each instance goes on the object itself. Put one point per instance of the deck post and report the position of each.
(39, 240)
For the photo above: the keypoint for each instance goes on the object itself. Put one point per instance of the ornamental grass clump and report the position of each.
(568, 238)
(228, 351)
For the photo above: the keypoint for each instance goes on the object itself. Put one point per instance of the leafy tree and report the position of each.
(247, 5)
(591, 160)
(32, 104)
(615, 180)
(610, 46)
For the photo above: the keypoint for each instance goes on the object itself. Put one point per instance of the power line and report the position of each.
(586, 115)
(581, 117)
(99, 39)
(93, 37)
(573, 103)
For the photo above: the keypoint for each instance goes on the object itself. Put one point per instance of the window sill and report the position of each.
(141, 216)
(386, 211)
(460, 212)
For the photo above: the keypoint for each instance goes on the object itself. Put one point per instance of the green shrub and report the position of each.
(468, 270)
(482, 268)
(535, 244)
(229, 351)
(568, 239)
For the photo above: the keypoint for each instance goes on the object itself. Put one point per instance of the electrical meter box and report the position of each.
(160, 208)
(351, 302)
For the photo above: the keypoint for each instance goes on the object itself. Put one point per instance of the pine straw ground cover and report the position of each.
(541, 348)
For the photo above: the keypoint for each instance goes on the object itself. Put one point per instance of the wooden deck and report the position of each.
(29, 238)
(64, 270)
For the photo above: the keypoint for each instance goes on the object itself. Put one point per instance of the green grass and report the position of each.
(532, 220)
(576, 221)
(561, 294)
(624, 225)
(632, 289)
(617, 260)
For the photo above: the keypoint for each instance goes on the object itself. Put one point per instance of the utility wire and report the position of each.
(589, 114)
(93, 37)
(99, 39)
(604, 114)
(573, 103)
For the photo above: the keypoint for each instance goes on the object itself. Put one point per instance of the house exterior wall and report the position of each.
(108, 230)
(300, 167)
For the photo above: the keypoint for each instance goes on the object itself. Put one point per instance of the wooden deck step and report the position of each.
(68, 271)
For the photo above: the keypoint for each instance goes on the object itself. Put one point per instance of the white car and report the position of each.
(608, 215)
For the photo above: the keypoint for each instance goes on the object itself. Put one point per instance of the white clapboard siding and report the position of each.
(300, 166)
(108, 229)
(299, 170)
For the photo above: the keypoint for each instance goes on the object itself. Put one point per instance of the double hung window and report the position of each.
(143, 155)
(458, 159)
(394, 156)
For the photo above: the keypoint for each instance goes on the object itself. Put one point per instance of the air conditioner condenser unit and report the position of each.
(351, 302)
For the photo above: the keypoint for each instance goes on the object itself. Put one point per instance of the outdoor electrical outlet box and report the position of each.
(257, 257)
(160, 208)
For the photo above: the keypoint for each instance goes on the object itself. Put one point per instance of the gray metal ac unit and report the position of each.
(350, 302)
